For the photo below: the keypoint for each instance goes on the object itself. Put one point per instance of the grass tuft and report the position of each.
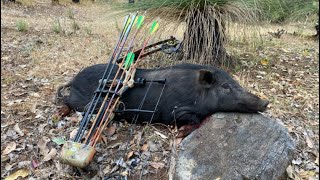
(278, 11)
(22, 25)
(88, 30)
(57, 27)
(75, 26)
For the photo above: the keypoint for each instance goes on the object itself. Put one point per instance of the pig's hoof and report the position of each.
(61, 112)
(186, 130)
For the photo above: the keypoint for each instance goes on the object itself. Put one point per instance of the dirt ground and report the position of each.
(35, 62)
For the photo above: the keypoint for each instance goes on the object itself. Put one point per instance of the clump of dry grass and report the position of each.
(21, 25)
(57, 27)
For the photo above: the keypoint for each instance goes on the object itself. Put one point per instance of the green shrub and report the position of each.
(21, 25)
(88, 30)
(70, 14)
(57, 27)
(75, 26)
(285, 10)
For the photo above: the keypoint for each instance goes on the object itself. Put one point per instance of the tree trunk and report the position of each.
(204, 40)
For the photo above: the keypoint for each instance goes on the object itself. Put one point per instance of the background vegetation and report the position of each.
(207, 22)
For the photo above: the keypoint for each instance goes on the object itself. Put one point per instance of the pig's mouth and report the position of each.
(252, 108)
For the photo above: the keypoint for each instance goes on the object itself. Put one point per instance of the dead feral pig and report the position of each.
(192, 93)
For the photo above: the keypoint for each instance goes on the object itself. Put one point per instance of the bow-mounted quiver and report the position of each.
(80, 151)
(80, 154)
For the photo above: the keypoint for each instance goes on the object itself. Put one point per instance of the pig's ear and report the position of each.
(206, 78)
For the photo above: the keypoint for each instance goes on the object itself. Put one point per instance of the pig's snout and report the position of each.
(252, 103)
(264, 105)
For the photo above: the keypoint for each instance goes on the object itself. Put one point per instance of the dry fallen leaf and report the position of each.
(178, 140)
(129, 154)
(4, 158)
(23, 163)
(50, 155)
(131, 142)
(161, 135)
(305, 52)
(157, 165)
(290, 127)
(290, 172)
(41, 127)
(111, 130)
(309, 142)
(297, 161)
(124, 173)
(55, 118)
(18, 130)
(21, 172)
(144, 147)
(152, 146)
(42, 144)
(73, 133)
(307, 174)
(104, 139)
(74, 119)
(10, 147)
(33, 109)
(35, 163)
(107, 169)
(98, 140)
(8, 166)
(264, 62)
(39, 116)
(262, 95)
(7, 123)
(137, 138)
(79, 116)
(58, 165)
(34, 94)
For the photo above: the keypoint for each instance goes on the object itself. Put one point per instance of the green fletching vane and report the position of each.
(129, 61)
(140, 21)
(154, 27)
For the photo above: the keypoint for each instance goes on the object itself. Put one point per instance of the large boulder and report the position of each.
(236, 146)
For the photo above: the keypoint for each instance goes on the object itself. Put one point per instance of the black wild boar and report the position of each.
(192, 92)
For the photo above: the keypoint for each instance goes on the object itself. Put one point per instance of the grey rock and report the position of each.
(236, 146)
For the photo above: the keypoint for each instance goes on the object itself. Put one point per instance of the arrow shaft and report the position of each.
(106, 104)
(95, 97)
(103, 121)
(115, 55)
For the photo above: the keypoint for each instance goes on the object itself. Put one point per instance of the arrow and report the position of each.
(106, 103)
(129, 61)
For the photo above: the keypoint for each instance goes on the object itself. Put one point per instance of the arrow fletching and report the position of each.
(154, 27)
(127, 24)
(129, 61)
(126, 20)
(139, 21)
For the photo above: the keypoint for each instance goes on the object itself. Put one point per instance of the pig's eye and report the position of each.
(226, 86)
